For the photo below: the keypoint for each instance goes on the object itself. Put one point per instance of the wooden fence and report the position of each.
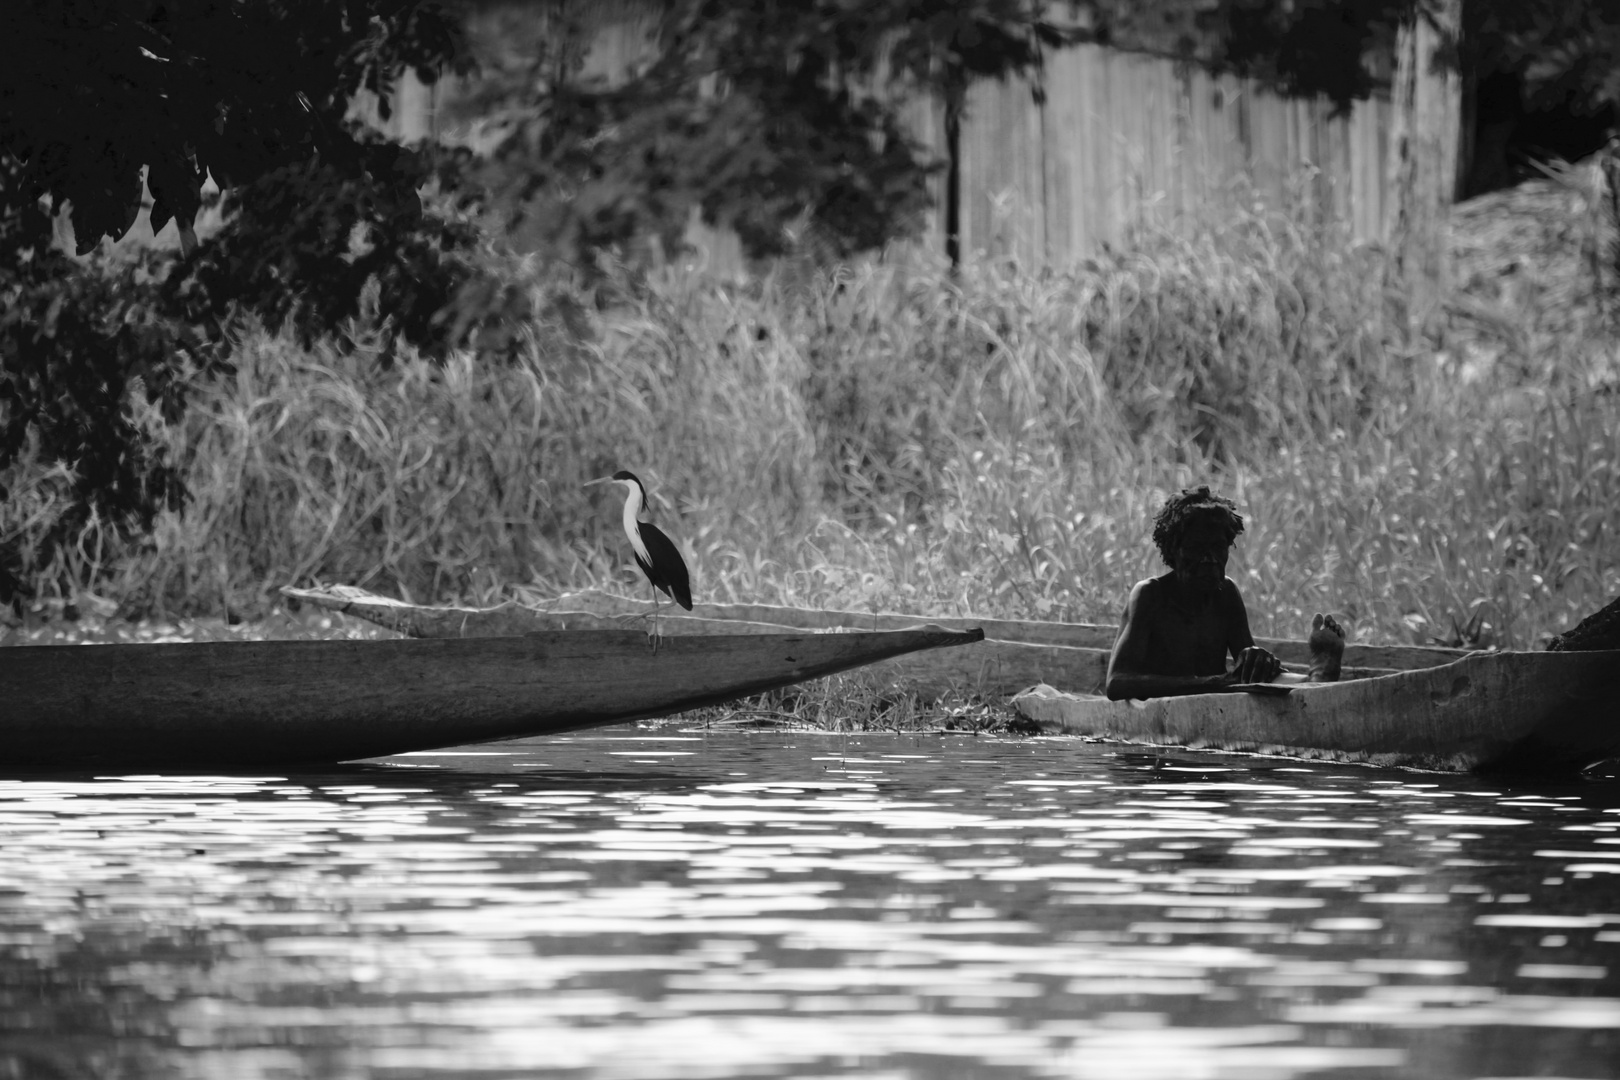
(1125, 139)
(1122, 139)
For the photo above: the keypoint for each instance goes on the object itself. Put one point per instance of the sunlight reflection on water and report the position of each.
(632, 904)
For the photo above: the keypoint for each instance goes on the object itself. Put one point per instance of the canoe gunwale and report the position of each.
(593, 608)
(1522, 712)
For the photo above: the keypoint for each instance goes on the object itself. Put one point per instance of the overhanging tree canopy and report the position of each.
(1563, 49)
(97, 96)
(92, 91)
(756, 115)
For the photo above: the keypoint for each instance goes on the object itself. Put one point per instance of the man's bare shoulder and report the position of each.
(1146, 593)
(1230, 594)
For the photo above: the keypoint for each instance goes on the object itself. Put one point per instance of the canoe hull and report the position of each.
(278, 702)
(1522, 712)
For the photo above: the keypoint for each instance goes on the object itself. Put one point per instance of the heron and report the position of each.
(655, 553)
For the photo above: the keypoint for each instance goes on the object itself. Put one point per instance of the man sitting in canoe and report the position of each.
(1180, 626)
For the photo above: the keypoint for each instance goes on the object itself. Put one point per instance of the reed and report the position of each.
(884, 438)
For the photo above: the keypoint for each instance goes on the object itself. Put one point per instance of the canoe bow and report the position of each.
(258, 703)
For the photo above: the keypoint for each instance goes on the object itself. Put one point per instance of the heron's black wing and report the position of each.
(668, 569)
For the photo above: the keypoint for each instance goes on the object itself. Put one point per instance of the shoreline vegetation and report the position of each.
(885, 438)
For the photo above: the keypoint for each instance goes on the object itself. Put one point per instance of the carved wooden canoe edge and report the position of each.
(594, 608)
(1524, 712)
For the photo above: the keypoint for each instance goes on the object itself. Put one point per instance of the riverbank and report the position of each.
(888, 439)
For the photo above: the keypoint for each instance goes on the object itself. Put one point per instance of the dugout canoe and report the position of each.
(1524, 712)
(593, 608)
(255, 704)
(1015, 654)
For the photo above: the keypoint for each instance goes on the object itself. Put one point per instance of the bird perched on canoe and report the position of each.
(655, 553)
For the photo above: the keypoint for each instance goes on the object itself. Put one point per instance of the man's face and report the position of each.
(1199, 558)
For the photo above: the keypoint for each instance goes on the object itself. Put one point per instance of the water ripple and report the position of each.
(628, 904)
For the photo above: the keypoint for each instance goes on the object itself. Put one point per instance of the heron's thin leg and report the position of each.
(655, 634)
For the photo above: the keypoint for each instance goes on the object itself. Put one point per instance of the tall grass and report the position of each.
(886, 438)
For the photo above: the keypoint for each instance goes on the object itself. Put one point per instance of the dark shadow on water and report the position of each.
(1171, 766)
(1600, 783)
(446, 780)
(450, 779)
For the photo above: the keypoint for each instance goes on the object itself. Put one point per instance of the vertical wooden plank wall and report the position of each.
(1128, 139)
(1122, 140)
(925, 119)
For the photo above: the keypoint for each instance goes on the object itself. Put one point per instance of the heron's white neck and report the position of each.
(632, 511)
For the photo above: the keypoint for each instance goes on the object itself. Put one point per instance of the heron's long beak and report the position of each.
(598, 480)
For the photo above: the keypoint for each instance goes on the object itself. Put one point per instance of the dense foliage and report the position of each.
(772, 120)
(73, 346)
(1562, 50)
(102, 101)
(325, 232)
(94, 91)
(882, 439)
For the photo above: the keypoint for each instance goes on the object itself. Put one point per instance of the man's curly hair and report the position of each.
(1189, 504)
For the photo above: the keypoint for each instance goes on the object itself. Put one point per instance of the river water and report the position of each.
(666, 902)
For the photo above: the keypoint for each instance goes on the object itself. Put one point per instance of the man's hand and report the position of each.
(1254, 665)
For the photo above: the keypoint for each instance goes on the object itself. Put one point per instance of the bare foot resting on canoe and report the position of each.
(1327, 648)
(1327, 652)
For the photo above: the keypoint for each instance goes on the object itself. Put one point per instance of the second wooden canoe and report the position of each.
(1541, 712)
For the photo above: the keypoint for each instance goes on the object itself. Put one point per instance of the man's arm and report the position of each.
(1128, 674)
(1253, 664)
